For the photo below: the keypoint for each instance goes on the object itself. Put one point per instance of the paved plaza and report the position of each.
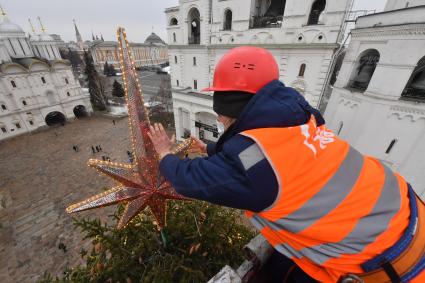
(40, 175)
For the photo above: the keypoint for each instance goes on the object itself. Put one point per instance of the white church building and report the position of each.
(37, 87)
(378, 101)
(301, 34)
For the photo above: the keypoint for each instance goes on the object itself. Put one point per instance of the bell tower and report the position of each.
(78, 36)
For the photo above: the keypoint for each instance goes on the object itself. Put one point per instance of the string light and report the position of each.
(141, 184)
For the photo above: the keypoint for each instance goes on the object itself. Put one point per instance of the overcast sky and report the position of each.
(104, 16)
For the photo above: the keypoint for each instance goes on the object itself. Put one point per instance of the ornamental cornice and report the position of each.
(349, 96)
(418, 29)
(349, 101)
(407, 111)
(267, 46)
(172, 9)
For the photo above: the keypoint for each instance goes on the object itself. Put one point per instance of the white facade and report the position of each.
(380, 109)
(296, 33)
(401, 4)
(36, 85)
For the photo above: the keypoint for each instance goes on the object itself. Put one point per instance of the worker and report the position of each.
(331, 212)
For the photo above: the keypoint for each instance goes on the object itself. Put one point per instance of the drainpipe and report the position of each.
(348, 9)
(331, 70)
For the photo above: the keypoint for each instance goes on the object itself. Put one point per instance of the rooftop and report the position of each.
(153, 38)
(172, 9)
(26, 63)
(413, 15)
(7, 26)
(189, 91)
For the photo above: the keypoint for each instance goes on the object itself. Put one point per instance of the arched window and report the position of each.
(174, 37)
(302, 70)
(268, 13)
(54, 118)
(3, 107)
(194, 20)
(316, 11)
(173, 22)
(227, 20)
(363, 72)
(415, 88)
(24, 102)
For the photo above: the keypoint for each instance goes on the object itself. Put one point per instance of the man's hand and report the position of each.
(197, 146)
(160, 140)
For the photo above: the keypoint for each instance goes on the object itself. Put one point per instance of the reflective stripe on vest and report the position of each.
(365, 232)
(333, 202)
(251, 156)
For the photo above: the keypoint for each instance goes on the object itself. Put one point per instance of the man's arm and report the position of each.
(230, 177)
(211, 149)
(221, 180)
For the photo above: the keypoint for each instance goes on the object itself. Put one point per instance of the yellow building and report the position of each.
(154, 51)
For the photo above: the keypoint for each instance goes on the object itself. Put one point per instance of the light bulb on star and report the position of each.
(140, 183)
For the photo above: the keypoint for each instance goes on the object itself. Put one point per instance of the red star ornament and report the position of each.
(140, 183)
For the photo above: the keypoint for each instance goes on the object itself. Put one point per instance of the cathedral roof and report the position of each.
(7, 26)
(26, 63)
(45, 37)
(34, 37)
(153, 38)
(41, 37)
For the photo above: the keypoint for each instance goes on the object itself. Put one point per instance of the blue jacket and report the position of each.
(222, 178)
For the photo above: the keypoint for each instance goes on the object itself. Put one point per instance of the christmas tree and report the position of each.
(112, 71)
(197, 242)
(95, 85)
(109, 70)
(117, 89)
(106, 68)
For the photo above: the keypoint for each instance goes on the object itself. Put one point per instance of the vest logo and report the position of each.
(319, 138)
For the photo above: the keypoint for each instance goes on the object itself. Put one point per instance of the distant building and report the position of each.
(80, 42)
(302, 36)
(58, 41)
(152, 52)
(378, 101)
(37, 86)
(76, 47)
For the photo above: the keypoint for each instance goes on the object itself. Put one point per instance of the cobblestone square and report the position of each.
(40, 175)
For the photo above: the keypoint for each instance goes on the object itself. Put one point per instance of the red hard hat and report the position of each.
(244, 68)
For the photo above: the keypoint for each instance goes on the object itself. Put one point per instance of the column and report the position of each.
(193, 129)
(177, 123)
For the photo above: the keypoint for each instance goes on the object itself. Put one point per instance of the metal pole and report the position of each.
(331, 70)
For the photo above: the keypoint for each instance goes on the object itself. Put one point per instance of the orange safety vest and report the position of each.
(335, 208)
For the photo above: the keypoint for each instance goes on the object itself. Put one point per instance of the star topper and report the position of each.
(140, 183)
